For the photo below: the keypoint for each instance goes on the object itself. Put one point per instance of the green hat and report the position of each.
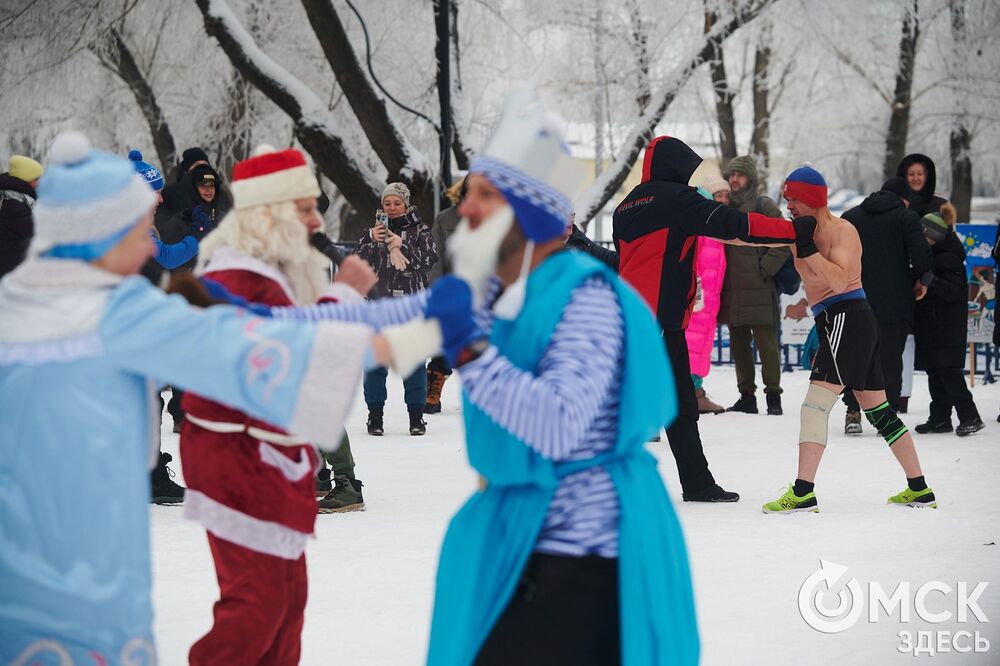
(935, 226)
(745, 165)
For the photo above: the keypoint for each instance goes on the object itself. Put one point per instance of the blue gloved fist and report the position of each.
(201, 222)
(450, 302)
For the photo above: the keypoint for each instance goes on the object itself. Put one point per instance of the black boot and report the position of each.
(164, 490)
(417, 424)
(746, 404)
(773, 404)
(934, 427)
(713, 493)
(345, 496)
(375, 426)
(968, 427)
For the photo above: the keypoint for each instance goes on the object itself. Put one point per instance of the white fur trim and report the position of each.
(261, 536)
(226, 258)
(285, 185)
(55, 303)
(291, 470)
(322, 408)
(342, 292)
(85, 223)
(412, 343)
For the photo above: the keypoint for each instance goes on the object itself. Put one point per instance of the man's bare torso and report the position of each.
(838, 242)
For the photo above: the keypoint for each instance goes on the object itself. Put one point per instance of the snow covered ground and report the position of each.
(371, 573)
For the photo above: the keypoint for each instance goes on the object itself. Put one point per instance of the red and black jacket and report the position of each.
(655, 228)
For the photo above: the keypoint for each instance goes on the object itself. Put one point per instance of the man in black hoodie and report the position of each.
(655, 229)
(895, 258)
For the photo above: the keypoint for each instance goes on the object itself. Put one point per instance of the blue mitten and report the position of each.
(450, 302)
(201, 222)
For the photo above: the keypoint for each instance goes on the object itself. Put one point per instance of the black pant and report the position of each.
(948, 389)
(891, 342)
(564, 611)
(685, 441)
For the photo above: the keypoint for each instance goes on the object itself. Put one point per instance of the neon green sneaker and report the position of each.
(916, 498)
(792, 503)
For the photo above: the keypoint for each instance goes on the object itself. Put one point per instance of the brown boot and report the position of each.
(435, 383)
(705, 404)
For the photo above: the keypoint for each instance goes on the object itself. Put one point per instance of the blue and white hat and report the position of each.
(87, 200)
(527, 160)
(146, 170)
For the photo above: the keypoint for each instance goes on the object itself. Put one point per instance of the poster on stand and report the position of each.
(977, 240)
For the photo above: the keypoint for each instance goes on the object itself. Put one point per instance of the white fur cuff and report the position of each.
(412, 343)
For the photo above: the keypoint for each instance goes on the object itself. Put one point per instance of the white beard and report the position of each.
(474, 253)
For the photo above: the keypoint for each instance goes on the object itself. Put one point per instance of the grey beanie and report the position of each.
(397, 190)
(745, 165)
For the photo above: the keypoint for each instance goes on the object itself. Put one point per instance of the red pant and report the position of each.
(259, 616)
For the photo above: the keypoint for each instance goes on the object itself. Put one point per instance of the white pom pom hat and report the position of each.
(87, 200)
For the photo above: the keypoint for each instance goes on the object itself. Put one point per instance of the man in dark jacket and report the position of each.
(941, 329)
(894, 257)
(655, 229)
(444, 226)
(17, 196)
(749, 300)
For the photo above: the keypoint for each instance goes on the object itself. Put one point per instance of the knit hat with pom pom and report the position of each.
(87, 200)
(146, 170)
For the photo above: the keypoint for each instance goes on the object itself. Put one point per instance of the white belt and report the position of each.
(253, 431)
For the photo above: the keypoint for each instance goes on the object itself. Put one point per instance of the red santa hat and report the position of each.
(272, 176)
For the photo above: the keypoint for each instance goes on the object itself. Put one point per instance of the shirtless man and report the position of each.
(828, 257)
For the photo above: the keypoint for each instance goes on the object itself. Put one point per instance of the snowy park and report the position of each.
(372, 573)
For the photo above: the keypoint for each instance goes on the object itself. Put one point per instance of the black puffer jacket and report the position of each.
(924, 201)
(16, 225)
(656, 226)
(941, 325)
(894, 253)
(174, 213)
(418, 247)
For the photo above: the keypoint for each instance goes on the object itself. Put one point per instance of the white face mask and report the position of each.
(474, 252)
(511, 301)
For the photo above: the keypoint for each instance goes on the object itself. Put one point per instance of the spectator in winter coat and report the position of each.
(921, 178)
(81, 339)
(941, 329)
(894, 258)
(175, 197)
(17, 196)
(710, 265)
(442, 229)
(750, 301)
(401, 250)
(655, 229)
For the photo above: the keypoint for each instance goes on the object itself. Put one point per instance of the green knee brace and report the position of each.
(887, 422)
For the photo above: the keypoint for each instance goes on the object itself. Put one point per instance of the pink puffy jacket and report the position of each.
(710, 265)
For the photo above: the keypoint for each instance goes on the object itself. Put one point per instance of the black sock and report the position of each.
(917, 484)
(803, 488)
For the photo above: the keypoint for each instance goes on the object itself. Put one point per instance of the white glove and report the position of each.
(412, 343)
(398, 261)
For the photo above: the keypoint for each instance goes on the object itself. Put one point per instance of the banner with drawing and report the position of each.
(977, 239)
(796, 318)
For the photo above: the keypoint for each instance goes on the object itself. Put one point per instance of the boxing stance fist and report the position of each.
(805, 227)
(450, 302)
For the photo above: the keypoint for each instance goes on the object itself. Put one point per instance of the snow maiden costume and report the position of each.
(557, 410)
(79, 350)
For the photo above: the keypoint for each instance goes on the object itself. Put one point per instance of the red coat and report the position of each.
(243, 487)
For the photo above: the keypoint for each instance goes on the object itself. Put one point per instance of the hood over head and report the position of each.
(927, 191)
(670, 159)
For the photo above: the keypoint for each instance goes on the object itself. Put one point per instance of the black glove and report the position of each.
(927, 278)
(578, 239)
(322, 242)
(805, 227)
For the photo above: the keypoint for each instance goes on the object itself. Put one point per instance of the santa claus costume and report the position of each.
(250, 483)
